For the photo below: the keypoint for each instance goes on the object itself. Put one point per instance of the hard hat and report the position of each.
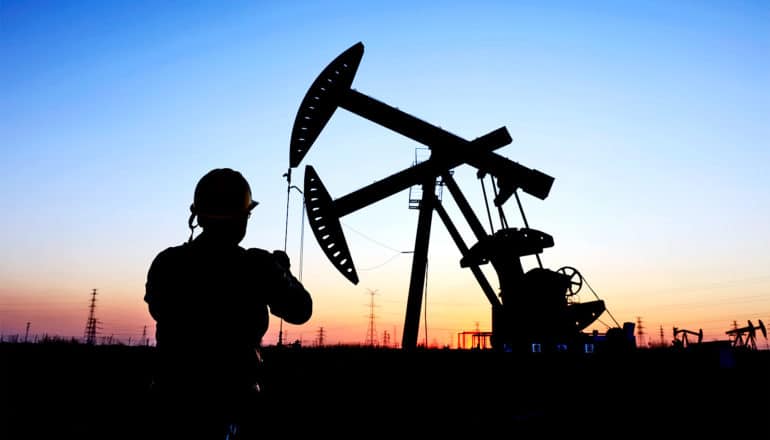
(222, 193)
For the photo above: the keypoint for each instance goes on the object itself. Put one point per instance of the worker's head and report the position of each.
(222, 203)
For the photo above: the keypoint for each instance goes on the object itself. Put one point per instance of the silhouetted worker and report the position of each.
(211, 300)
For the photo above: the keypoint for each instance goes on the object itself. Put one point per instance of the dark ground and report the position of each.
(60, 391)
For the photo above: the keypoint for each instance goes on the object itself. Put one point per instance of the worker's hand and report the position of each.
(282, 259)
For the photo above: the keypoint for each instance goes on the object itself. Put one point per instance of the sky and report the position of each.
(651, 117)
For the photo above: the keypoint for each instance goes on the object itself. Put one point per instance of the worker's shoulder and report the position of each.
(259, 253)
(172, 253)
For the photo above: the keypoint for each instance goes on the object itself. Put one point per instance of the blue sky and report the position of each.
(651, 116)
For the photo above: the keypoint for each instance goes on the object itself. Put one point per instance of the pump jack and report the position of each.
(532, 307)
(681, 339)
(746, 337)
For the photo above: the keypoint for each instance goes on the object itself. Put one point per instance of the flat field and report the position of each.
(59, 391)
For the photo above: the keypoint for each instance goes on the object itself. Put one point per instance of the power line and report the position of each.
(391, 258)
(369, 238)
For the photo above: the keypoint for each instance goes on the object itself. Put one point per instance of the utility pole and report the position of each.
(320, 340)
(662, 340)
(640, 331)
(26, 333)
(371, 332)
(144, 340)
(90, 333)
(395, 337)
